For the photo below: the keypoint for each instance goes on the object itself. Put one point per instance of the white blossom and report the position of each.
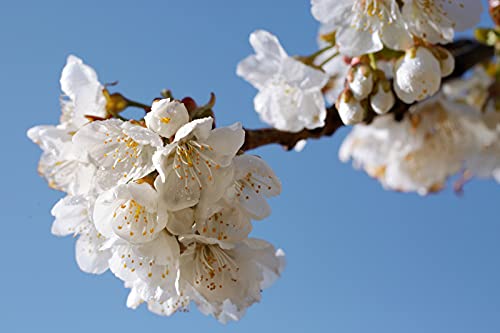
(72, 217)
(474, 91)
(419, 153)
(436, 21)
(121, 151)
(289, 97)
(154, 263)
(196, 166)
(229, 280)
(166, 117)
(363, 26)
(60, 163)
(129, 211)
(254, 181)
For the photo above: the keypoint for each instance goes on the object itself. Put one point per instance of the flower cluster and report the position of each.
(164, 202)
(456, 131)
(404, 35)
(366, 43)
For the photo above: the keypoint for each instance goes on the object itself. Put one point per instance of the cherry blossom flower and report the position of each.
(72, 217)
(154, 263)
(196, 166)
(228, 280)
(121, 151)
(60, 163)
(363, 26)
(289, 97)
(419, 153)
(129, 211)
(254, 181)
(436, 21)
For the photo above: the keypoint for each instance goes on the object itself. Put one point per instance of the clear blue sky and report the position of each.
(360, 259)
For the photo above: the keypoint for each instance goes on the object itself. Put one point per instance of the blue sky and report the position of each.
(360, 259)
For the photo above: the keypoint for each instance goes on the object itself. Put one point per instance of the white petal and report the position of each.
(79, 82)
(89, 256)
(226, 141)
(200, 128)
(70, 214)
(166, 117)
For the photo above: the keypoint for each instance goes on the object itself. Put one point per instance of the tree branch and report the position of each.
(467, 54)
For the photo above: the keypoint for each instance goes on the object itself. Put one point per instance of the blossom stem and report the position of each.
(145, 107)
(324, 62)
(310, 59)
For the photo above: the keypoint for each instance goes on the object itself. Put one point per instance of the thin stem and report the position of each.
(324, 62)
(312, 57)
(139, 105)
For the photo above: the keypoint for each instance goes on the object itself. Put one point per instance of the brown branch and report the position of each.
(467, 54)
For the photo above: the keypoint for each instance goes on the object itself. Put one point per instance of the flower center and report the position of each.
(192, 162)
(132, 213)
(121, 149)
(211, 262)
(369, 15)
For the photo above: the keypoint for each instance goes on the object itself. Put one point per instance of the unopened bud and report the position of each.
(382, 100)
(360, 80)
(417, 75)
(446, 60)
(350, 109)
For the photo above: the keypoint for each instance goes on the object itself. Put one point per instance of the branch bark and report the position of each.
(467, 54)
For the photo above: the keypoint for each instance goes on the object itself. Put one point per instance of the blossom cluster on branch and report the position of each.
(166, 202)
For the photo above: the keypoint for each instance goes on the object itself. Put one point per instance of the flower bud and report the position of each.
(382, 100)
(350, 109)
(360, 80)
(166, 117)
(417, 75)
(446, 60)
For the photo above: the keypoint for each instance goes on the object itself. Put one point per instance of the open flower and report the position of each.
(72, 217)
(60, 163)
(129, 211)
(227, 281)
(289, 97)
(363, 26)
(121, 151)
(436, 21)
(155, 263)
(419, 153)
(254, 181)
(196, 166)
